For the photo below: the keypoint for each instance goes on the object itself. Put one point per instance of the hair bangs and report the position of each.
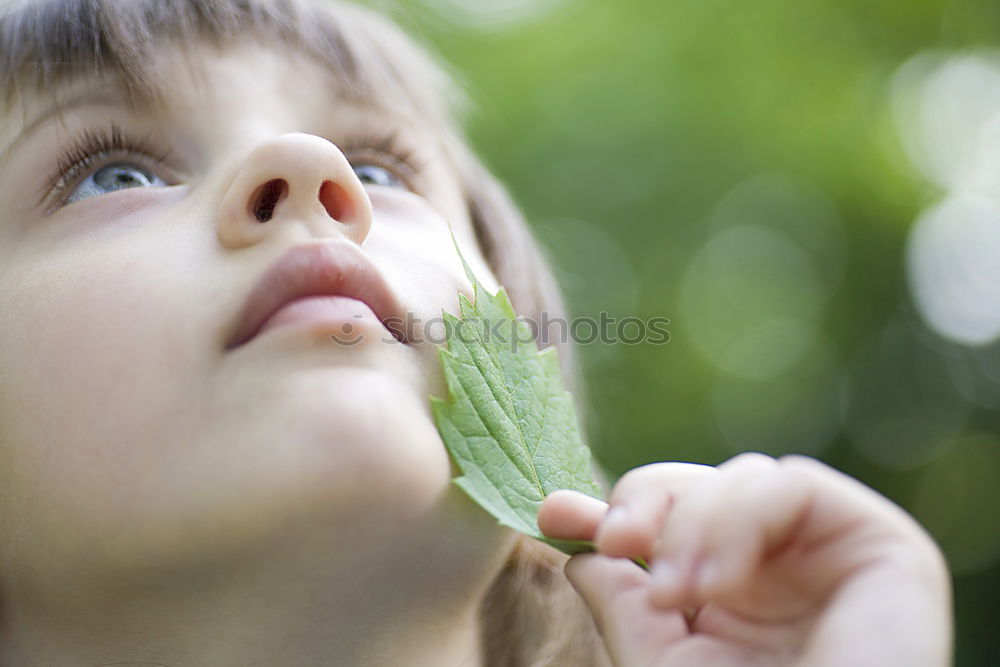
(46, 44)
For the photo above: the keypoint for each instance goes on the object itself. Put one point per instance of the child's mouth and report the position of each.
(329, 282)
(336, 312)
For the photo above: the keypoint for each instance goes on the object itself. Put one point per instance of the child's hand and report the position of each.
(756, 562)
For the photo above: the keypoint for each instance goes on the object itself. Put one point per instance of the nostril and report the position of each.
(336, 201)
(266, 199)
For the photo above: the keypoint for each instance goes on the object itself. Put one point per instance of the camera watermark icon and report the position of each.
(604, 329)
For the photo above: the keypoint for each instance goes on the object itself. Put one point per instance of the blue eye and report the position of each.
(118, 176)
(371, 174)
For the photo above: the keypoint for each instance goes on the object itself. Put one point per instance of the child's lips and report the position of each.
(329, 310)
(324, 269)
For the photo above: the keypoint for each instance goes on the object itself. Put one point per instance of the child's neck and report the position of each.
(262, 637)
(415, 603)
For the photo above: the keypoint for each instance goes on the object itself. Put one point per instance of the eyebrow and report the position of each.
(93, 96)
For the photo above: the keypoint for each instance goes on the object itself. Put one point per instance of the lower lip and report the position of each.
(329, 309)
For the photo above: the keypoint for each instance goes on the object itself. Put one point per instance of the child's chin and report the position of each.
(357, 432)
(337, 462)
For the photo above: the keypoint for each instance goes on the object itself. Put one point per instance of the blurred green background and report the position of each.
(808, 191)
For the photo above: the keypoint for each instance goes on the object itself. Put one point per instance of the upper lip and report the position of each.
(317, 269)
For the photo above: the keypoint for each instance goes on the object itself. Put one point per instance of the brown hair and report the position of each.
(530, 615)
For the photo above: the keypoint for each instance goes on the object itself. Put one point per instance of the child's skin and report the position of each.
(288, 502)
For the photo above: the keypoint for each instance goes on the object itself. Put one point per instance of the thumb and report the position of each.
(570, 515)
(617, 594)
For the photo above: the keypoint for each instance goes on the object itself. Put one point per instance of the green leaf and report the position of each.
(508, 422)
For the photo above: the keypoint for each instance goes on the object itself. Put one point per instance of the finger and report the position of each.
(570, 515)
(640, 502)
(841, 499)
(710, 513)
(761, 508)
(794, 507)
(616, 593)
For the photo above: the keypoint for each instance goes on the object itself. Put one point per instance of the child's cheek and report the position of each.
(416, 239)
(90, 356)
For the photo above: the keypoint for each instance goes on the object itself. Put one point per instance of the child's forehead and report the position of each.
(187, 81)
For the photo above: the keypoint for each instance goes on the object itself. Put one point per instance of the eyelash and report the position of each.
(96, 145)
(406, 159)
(93, 146)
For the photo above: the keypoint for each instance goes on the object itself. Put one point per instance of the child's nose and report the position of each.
(294, 179)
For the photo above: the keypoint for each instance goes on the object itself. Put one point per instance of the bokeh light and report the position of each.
(945, 105)
(752, 295)
(954, 268)
(948, 109)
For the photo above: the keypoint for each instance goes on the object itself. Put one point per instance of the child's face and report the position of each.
(128, 431)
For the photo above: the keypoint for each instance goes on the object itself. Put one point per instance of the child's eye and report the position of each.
(372, 174)
(385, 159)
(64, 186)
(117, 176)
